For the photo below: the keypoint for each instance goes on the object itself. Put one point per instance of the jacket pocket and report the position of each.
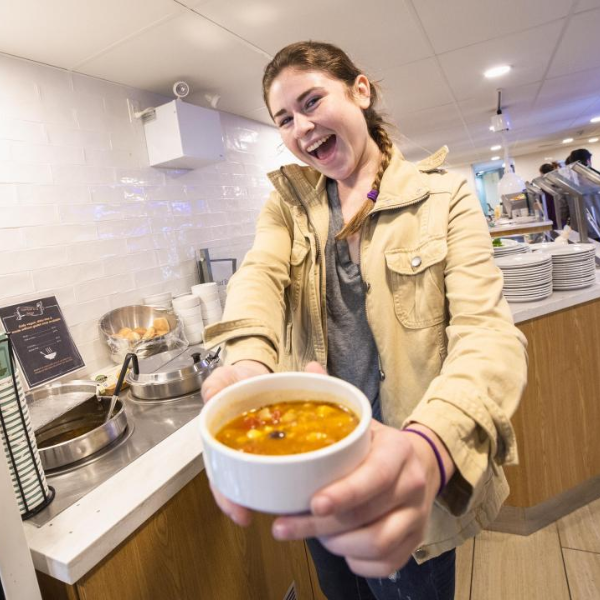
(416, 278)
(298, 255)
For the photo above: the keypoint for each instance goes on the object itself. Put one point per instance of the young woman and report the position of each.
(382, 272)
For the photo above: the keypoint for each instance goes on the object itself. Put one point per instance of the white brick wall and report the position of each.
(84, 217)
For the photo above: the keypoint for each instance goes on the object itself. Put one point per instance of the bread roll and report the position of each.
(149, 334)
(161, 324)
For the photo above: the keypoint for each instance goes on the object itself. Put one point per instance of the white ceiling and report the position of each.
(429, 55)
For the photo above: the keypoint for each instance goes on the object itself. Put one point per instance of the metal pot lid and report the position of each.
(184, 367)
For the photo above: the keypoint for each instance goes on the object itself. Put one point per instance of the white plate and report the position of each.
(523, 260)
(529, 292)
(530, 298)
(573, 286)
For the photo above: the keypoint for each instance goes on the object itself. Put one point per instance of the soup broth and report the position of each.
(288, 428)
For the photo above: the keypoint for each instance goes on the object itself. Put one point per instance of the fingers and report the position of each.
(381, 538)
(315, 367)
(238, 514)
(219, 379)
(377, 473)
(387, 566)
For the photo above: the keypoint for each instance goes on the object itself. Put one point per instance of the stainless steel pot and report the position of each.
(80, 433)
(181, 379)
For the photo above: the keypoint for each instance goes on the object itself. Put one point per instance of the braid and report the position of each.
(381, 137)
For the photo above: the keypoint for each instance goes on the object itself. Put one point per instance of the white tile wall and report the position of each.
(84, 217)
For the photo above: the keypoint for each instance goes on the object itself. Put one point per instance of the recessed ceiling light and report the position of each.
(495, 158)
(595, 119)
(593, 140)
(547, 158)
(493, 148)
(567, 140)
(491, 128)
(497, 71)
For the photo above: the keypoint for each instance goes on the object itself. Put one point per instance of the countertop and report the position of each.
(76, 540)
(515, 228)
(523, 311)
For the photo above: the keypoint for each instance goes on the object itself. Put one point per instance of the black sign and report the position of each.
(41, 340)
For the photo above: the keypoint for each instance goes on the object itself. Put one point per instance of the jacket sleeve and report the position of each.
(483, 377)
(254, 311)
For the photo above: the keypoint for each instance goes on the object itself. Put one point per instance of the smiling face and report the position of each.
(321, 121)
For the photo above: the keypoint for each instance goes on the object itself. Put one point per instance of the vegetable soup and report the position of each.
(288, 428)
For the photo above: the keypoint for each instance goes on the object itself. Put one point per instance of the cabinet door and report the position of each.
(190, 550)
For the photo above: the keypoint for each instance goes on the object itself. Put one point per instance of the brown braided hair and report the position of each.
(321, 56)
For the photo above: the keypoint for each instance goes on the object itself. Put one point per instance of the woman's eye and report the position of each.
(285, 121)
(312, 102)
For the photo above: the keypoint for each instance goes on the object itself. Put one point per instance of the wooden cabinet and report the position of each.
(190, 550)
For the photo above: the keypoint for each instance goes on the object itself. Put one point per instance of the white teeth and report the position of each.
(314, 146)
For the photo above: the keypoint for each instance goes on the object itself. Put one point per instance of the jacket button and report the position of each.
(420, 553)
(381, 375)
(416, 261)
(367, 287)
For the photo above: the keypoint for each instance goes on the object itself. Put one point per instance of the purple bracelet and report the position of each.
(438, 457)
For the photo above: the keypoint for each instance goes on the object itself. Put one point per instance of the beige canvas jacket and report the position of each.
(449, 353)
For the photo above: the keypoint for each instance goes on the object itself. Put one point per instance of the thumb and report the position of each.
(315, 367)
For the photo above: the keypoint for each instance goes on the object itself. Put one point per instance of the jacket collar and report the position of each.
(402, 183)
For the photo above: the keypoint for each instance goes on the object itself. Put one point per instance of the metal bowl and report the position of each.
(140, 316)
(80, 433)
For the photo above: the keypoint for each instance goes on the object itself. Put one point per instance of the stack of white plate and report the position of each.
(527, 277)
(573, 266)
(27, 466)
(188, 309)
(510, 247)
(163, 300)
(208, 294)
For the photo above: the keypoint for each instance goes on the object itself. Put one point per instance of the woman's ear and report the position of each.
(362, 91)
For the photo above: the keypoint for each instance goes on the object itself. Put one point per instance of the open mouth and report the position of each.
(323, 148)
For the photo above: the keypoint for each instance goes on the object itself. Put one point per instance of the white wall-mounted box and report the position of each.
(184, 136)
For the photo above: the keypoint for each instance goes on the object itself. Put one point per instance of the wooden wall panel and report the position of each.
(558, 420)
(190, 550)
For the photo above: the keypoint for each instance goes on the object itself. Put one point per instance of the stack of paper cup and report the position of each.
(163, 300)
(209, 301)
(188, 309)
(18, 442)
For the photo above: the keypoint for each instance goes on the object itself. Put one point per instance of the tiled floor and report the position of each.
(559, 562)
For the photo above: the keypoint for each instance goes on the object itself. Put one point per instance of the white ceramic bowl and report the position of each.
(192, 319)
(281, 484)
(189, 312)
(186, 301)
(202, 289)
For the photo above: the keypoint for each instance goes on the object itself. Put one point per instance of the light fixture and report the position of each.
(547, 158)
(567, 140)
(497, 71)
(593, 140)
(494, 148)
(595, 119)
(495, 158)
(491, 128)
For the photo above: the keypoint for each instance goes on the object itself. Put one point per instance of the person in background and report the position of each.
(380, 271)
(548, 168)
(581, 155)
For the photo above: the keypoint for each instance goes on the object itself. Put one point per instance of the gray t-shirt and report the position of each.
(352, 353)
